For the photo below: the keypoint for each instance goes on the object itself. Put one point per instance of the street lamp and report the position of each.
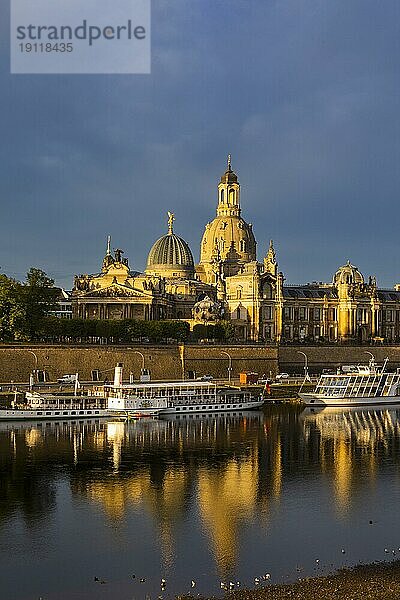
(371, 360)
(142, 355)
(31, 378)
(229, 364)
(306, 375)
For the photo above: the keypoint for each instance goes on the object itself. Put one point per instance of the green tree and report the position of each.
(39, 297)
(12, 310)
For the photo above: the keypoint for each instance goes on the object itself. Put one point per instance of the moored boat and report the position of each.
(49, 406)
(178, 397)
(363, 386)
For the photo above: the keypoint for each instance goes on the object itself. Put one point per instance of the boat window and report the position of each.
(178, 409)
(48, 413)
(57, 412)
(39, 412)
(73, 412)
(190, 407)
(96, 412)
(89, 412)
(65, 412)
(81, 412)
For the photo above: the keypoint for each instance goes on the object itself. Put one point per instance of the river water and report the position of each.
(281, 493)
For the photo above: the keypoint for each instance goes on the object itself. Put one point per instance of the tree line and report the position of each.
(25, 315)
(127, 331)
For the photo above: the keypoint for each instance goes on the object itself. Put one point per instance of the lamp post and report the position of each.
(371, 360)
(31, 378)
(229, 364)
(142, 355)
(306, 375)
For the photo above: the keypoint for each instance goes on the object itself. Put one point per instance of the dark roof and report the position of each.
(389, 295)
(308, 291)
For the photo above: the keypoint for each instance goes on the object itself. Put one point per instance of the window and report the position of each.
(317, 314)
(239, 294)
(288, 313)
(268, 332)
(242, 245)
(302, 313)
(222, 196)
(267, 291)
(267, 313)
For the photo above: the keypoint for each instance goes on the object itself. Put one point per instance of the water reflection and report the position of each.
(351, 442)
(229, 490)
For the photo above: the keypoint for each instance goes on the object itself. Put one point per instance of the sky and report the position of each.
(304, 94)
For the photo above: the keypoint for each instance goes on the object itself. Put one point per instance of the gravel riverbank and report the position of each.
(377, 581)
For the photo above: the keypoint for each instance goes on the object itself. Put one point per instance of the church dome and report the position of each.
(349, 274)
(170, 256)
(233, 237)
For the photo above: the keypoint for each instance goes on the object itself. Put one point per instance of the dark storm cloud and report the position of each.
(303, 94)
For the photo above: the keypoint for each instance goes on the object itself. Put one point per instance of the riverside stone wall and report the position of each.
(164, 362)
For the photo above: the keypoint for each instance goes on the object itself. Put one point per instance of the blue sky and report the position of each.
(303, 93)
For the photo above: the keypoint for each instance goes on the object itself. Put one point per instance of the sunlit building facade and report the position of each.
(229, 283)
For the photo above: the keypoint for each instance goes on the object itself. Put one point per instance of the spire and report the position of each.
(228, 193)
(108, 258)
(171, 219)
(270, 264)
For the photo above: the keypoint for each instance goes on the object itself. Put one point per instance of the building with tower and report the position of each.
(229, 283)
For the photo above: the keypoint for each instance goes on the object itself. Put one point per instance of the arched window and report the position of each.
(267, 291)
(239, 293)
(222, 196)
(243, 246)
(231, 196)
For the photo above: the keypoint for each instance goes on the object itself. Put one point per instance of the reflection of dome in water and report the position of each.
(348, 273)
(170, 256)
(206, 310)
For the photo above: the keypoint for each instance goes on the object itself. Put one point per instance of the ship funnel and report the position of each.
(118, 375)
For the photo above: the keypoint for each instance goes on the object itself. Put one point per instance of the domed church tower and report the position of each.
(228, 238)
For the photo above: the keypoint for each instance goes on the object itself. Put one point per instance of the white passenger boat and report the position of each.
(48, 406)
(179, 397)
(364, 385)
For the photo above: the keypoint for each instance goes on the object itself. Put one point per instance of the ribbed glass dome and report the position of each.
(170, 250)
(170, 255)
